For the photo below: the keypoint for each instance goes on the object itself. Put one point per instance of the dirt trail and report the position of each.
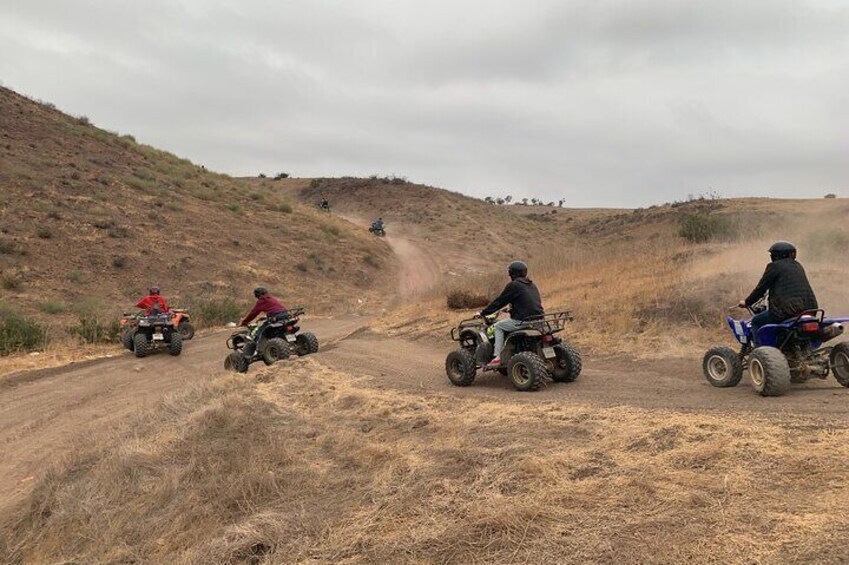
(419, 271)
(44, 413)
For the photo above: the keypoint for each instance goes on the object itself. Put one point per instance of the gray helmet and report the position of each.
(153, 290)
(782, 250)
(259, 291)
(517, 269)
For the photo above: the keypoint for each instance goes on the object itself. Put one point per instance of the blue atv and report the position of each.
(790, 352)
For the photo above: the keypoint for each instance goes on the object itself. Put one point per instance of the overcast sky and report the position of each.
(612, 103)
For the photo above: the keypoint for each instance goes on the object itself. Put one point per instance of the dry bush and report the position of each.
(465, 300)
(325, 470)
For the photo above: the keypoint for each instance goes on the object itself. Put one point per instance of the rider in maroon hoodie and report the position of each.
(265, 303)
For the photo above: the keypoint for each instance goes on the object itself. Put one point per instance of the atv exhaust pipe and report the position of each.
(831, 331)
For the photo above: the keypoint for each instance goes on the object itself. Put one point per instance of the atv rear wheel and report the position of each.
(722, 367)
(175, 346)
(306, 343)
(769, 371)
(127, 339)
(186, 329)
(275, 350)
(236, 362)
(567, 364)
(526, 371)
(460, 367)
(839, 361)
(141, 347)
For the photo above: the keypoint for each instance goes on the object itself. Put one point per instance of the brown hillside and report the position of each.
(88, 214)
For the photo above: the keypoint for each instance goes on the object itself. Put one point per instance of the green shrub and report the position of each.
(235, 208)
(256, 196)
(91, 329)
(20, 334)
(52, 307)
(284, 207)
(280, 176)
(75, 276)
(701, 228)
(216, 312)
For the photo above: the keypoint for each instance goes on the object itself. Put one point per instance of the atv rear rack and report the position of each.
(549, 323)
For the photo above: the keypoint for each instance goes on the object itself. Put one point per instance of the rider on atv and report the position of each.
(153, 299)
(267, 304)
(790, 293)
(377, 224)
(523, 297)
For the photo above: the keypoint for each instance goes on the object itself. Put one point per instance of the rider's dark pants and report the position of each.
(759, 321)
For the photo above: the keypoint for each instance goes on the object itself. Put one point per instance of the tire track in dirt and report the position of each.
(668, 384)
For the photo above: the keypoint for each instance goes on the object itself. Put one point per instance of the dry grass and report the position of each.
(58, 352)
(305, 465)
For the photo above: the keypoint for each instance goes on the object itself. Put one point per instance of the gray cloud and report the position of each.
(602, 102)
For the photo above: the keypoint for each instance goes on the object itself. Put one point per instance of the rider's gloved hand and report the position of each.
(742, 304)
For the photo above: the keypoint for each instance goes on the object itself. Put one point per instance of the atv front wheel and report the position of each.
(526, 371)
(769, 371)
(127, 339)
(141, 346)
(236, 362)
(567, 364)
(722, 367)
(175, 347)
(306, 343)
(460, 367)
(276, 349)
(187, 330)
(839, 361)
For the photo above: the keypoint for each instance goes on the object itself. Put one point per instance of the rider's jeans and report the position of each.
(759, 321)
(502, 328)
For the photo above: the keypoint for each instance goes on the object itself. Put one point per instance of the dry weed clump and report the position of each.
(465, 300)
(306, 465)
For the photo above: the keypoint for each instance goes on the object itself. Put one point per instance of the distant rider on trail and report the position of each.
(785, 280)
(325, 205)
(270, 306)
(523, 297)
(377, 224)
(153, 299)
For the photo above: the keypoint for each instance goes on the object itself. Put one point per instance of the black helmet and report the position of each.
(259, 291)
(153, 290)
(517, 269)
(782, 250)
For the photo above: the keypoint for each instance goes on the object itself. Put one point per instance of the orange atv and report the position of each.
(183, 323)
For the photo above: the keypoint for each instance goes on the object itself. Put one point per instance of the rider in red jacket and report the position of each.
(152, 299)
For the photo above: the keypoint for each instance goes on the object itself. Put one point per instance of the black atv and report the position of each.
(377, 230)
(270, 341)
(153, 331)
(532, 354)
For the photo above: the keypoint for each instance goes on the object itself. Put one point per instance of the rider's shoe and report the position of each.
(494, 364)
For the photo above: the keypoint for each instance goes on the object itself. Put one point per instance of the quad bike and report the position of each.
(183, 323)
(785, 353)
(377, 230)
(325, 206)
(532, 354)
(154, 330)
(129, 322)
(271, 341)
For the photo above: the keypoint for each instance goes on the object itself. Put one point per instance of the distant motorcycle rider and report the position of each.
(152, 299)
(785, 280)
(270, 306)
(523, 297)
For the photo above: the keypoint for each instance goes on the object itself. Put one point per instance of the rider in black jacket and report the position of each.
(523, 297)
(785, 280)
